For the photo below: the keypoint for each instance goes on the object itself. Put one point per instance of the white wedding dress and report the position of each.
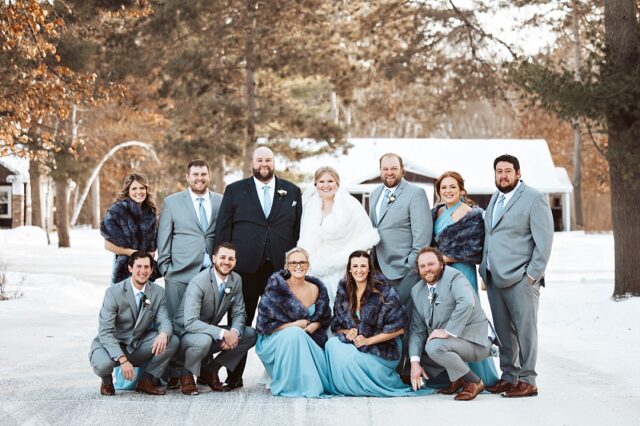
(331, 240)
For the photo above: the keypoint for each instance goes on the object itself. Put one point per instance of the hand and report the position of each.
(417, 373)
(531, 280)
(302, 323)
(351, 334)
(231, 338)
(127, 370)
(447, 259)
(438, 334)
(312, 327)
(360, 340)
(160, 344)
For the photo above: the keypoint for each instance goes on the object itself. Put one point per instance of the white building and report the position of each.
(426, 159)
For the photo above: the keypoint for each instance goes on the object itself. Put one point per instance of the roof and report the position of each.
(18, 166)
(472, 158)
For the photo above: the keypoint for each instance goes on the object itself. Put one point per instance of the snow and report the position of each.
(589, 357)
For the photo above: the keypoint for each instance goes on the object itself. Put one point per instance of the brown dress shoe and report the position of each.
(146, 386)
(107, 390)
(469, 391)
(188, 385)
(522, 389)
(452, 388)
(173, 383)
(501, 386)
(213, 381)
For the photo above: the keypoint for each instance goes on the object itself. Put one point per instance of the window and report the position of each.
(5, 201)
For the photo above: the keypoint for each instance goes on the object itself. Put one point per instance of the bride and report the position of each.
(334, 224)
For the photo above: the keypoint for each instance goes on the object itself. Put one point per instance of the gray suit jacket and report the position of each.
(181, 240)
(120, 323)
(520, 242)
(405, 227)
(201, 309)
(456, 308)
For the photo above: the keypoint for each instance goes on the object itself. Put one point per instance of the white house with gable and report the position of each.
(426, 159)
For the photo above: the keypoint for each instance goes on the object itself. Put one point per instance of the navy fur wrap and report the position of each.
(464, 239)
(278, 305)
(376, 317)
(129, 226)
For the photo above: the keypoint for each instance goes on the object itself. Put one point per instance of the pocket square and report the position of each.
(294, 203)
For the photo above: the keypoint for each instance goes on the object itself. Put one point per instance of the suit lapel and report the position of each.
(127, 289)
(251, 192)
(188, 206)
(396, 194)
(514, 198)
(213, 211)
(149, 293)
(375, 196)
(277, 201)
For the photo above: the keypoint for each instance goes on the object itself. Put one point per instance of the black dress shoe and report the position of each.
(233, 384)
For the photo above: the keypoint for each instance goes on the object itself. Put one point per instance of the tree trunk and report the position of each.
(95, 203)
(623, 122)
(62, 211)
(36, 197)
(250, 58)
(577, 139)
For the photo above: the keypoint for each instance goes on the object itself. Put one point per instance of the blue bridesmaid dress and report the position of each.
(296, 363)
(356, 373)
(485, 369)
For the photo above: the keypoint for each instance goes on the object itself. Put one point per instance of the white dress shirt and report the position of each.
(507, 197)
(272, 190)
(196, 204)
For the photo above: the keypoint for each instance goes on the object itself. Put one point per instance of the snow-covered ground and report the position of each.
(589, 358)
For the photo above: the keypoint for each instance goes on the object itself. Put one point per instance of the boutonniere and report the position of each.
(145, 300)
(281, 193)
(392, 198)
(227, 290)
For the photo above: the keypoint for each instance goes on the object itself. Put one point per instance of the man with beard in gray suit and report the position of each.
(448, 328)
(517, 246)
(401, 213)
(210, 295)
(186, 233)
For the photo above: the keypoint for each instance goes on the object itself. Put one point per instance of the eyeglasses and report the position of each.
(295, 263)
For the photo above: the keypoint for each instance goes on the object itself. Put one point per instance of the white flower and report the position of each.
(392, 198)
(282, 192)
(227, 290)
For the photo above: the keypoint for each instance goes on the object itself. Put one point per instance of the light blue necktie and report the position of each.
(221, 288)
(140, 299)
(385, 203)
(202, 214)
(497, 211)
(266, 199)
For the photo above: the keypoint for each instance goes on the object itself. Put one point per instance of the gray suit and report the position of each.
(124, 331)
(198, 318)
(456, 309)
(404, 227)
(182, 243)
(518, 246)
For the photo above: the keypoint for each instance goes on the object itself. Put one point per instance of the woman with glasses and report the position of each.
(368, 320)
(292, 317)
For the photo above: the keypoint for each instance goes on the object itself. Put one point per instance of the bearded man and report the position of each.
(260, 216)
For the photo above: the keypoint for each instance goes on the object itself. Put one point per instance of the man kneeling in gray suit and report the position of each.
(124, 335)
(448, 328)
(210, 295)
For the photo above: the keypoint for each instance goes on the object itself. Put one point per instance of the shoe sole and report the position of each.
(504, 395)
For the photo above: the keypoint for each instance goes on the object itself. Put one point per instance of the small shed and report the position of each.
(14, 185)
(426, 159)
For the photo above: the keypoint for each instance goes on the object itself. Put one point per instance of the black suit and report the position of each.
(261, 242)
